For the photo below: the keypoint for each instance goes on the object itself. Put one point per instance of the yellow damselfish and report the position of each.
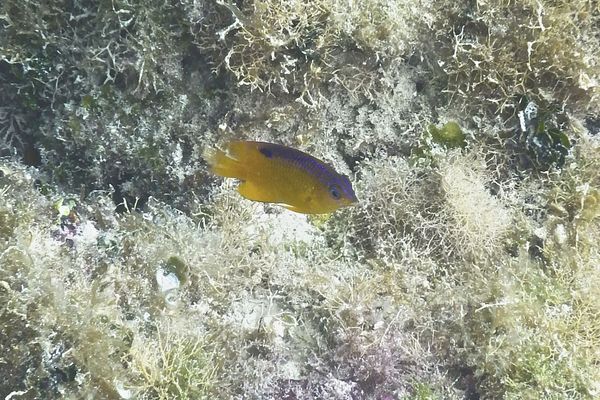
(274, 173)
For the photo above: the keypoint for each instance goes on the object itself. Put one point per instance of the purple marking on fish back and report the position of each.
(266, 152)
(323, 172)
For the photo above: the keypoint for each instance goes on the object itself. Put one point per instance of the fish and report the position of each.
(273, 173)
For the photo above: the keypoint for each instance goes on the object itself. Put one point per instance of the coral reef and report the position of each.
(468, 269)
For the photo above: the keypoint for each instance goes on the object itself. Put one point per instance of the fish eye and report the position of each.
(334, 191)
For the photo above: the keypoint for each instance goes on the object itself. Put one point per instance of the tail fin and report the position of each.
(223, 164)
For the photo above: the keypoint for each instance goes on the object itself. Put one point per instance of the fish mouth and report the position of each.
(350, 201)
(353, 199)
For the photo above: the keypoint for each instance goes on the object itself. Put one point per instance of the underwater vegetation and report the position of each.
(448, 135)
(469, 269)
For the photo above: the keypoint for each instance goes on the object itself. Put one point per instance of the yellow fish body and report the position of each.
(273, 173)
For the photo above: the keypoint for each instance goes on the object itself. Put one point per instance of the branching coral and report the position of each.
(299, 47)
(61, 278)
(458, 274)
(503, 50)
(479, 220)
(85, 81)
(174, 366)
(448, 209)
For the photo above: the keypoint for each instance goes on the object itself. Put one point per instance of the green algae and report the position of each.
(449, 135)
